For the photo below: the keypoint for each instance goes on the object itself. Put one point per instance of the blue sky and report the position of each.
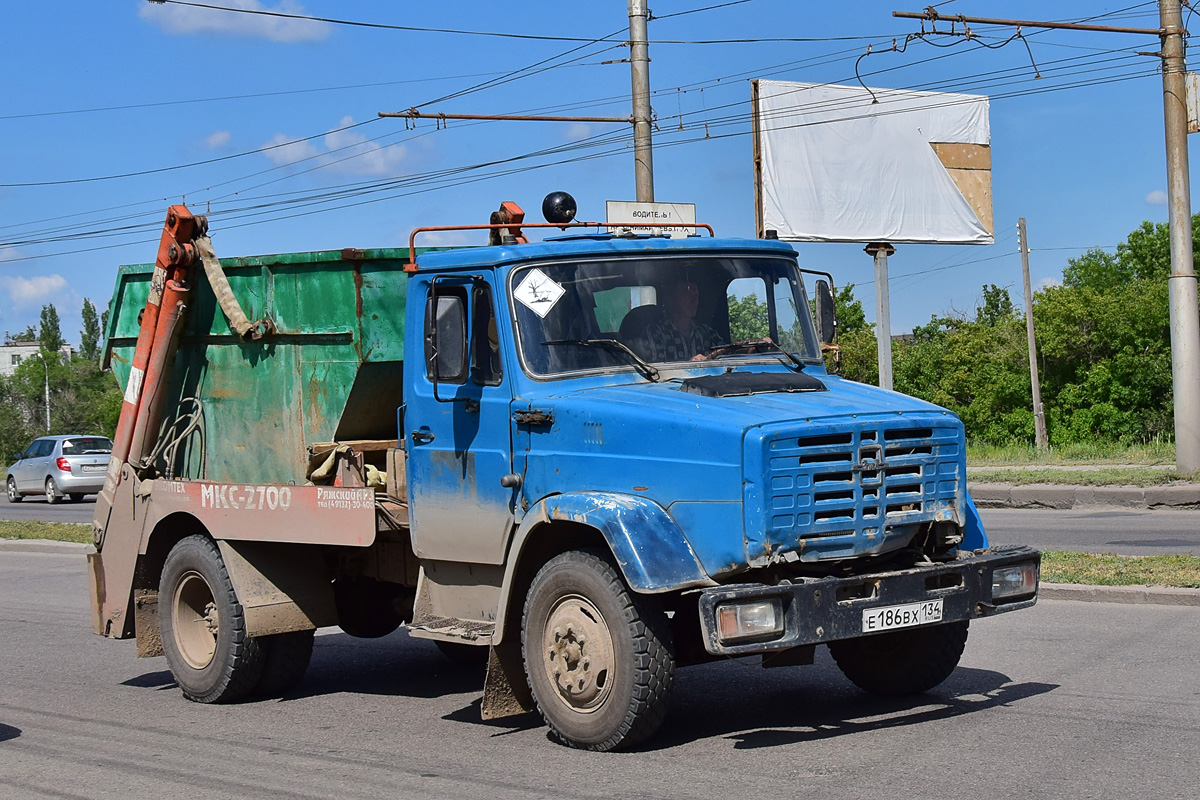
(270, 126)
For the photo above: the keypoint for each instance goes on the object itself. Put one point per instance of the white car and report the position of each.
(60, 466)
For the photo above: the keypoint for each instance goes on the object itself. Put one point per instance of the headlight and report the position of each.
(758, 619)
(1014, 581)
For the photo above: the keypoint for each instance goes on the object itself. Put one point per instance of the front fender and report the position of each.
(651, 550)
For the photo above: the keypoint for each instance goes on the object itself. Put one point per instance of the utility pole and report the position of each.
(1039, 414)
(1181, 286)
(883, 313)
(1182, 290)
(639, 68)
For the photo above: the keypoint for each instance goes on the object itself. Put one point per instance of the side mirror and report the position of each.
(446, 338)
(826, 324)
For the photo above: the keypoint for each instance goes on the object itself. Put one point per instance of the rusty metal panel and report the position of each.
(271, 512)
(335, 312)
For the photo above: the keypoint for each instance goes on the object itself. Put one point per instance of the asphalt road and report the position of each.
(1103, 530)
(36, 508)
(1065, 700)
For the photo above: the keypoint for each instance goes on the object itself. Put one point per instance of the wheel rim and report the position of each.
(577, 653)
(50, 495)
(12, 489)
(196, 622)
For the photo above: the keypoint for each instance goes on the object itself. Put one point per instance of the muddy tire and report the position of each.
(599, 658)
(52, 495)
(901, 662)
(285, 660)
(204, 627)
(13, 495)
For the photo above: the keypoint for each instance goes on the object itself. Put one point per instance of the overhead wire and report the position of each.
(473, 167)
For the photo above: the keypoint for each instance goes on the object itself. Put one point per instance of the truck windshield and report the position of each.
(630, 313)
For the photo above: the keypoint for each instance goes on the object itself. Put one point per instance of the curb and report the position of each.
(1154, 595)
(1057, 496)
(43, 546)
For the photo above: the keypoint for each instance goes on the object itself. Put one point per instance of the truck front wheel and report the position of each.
(599, 658)
(204, 630)
(901, 662)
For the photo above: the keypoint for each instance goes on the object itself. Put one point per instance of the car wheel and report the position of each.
(599, 658)
(75, 496)
(13, 495)
(52, 495)
(204, 626)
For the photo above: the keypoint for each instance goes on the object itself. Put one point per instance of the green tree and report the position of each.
(27, 335)
(850, 314)
(50, 332)
(747, 318)
(89, 337)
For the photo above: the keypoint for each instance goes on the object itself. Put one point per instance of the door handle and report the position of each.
(422, 437)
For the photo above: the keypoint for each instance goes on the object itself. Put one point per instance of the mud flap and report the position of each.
(505, 690)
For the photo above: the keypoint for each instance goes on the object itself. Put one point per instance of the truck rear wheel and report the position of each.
(901, 662)
(598, 657)
(204, 627)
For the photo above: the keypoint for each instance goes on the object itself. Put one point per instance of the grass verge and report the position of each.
(54, 531)
(1106, 569)
(982, 454)
(1101, 476)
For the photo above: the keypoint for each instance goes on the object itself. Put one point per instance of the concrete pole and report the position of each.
(883, 311)
(639, 67)
(1039, 413)
(1185, 317)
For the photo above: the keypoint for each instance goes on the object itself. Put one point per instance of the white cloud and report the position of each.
(26, 292)
(1047, 283)
(1157, 198)
(578, 130)
(285, 151)
(450, 238)
(10, 254)
(346, 151)
(217, 139)
(357, 156)
(188, 20)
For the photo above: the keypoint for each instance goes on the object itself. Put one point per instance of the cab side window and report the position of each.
(485, 340)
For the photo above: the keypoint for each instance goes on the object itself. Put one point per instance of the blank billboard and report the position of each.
(848, 164)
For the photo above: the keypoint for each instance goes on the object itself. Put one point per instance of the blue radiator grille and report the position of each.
(843, 493)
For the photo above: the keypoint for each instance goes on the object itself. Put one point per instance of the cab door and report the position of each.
(456, 424)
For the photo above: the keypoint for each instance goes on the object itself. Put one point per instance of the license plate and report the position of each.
(906, 616)
(93, 468)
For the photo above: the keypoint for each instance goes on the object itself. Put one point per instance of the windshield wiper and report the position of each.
(612, 345)
(750, 344)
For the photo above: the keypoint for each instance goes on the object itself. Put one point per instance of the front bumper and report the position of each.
(828, 609)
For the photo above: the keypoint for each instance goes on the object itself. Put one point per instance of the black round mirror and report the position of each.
(559, 208)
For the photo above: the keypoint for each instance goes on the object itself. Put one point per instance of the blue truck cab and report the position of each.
(636, 441)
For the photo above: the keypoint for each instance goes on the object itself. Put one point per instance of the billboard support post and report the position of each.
(883, 315)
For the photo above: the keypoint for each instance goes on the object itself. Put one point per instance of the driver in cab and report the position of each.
(678, 336)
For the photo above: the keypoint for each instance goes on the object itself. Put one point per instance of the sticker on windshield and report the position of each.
(538, 292)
